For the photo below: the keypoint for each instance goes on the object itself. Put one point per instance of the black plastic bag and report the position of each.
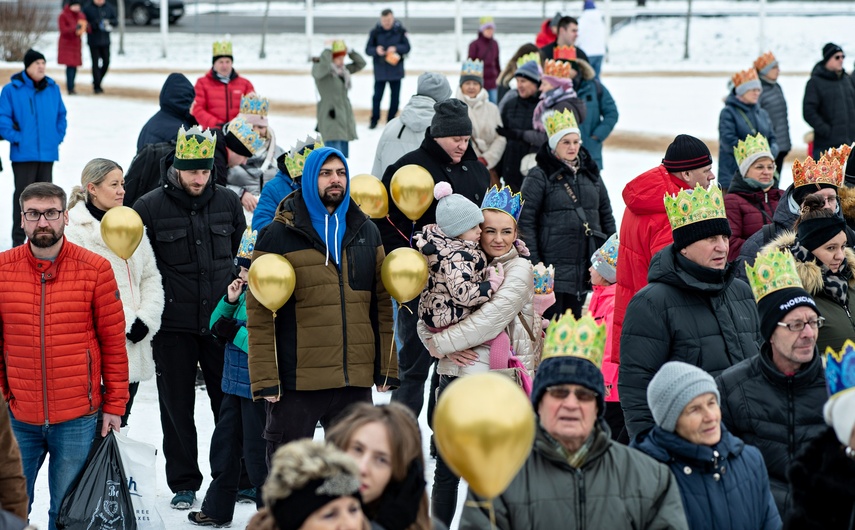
(100, 499)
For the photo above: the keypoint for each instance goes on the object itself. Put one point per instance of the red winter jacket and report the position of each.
(545, 36)
(747, 212)
(63, 329)
(68, 47)
(488, 51)
(217, 102)
(644, 231)
(602, 308)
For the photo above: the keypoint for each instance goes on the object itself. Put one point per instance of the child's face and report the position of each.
(596, 279)
(244, 274)
(473, 234)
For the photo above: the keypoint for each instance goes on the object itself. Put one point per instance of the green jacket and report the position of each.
(335, 115)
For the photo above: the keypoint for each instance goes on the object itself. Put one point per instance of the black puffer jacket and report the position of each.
(517, 114)
(549, 222)
(195, 240)
(176, 96)
(783, 219)
(688, 313)
(773, 102)
(776, 413)
(829, 107)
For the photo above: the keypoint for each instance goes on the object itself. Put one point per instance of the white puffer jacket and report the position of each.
(485, 117)
(514, 296)
(142, 296)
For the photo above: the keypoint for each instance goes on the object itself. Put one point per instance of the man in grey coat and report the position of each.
(773, 102)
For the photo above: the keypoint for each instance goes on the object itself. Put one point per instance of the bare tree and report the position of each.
(21, 25)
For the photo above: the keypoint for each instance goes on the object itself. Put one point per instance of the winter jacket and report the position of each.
(194, 240)
(558, 99)
(829, 107)
(488, 51)
(176, 96)
(592, 32)
(735, 122)
(821, 478)
(517, 114)
(32, 119)
(601, 112)
(404, 133)
(468, 178)
(551, 224)
(723, 487)
(510, 309)
(778, 414)
(488, 144)
(335, 115)
(645, 230)
(139, 283)
(545, 35)
(616, 488)
(63, 336)
(602, 308)
(216, 102)
(783, 219)
(13, 484)
(68, 46)
(258, 170)
(395, 36)
(748, 210)
(272, 194)
(100, 17)
(773, 102)
(700, 316)
(235, 364)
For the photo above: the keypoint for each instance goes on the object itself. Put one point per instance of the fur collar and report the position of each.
(810, 273)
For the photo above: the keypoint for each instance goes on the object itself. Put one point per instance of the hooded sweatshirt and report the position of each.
(329, 226)
(176, 96)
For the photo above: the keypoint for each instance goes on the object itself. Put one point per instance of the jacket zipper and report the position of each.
(582, 499)
(228, 100)
(44, 364)
(344, 325)
(89, 379)
(848, 314)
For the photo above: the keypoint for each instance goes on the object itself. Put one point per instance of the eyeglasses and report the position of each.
(839, 57)
(800, 324)
(831, 199)
(765, 167)
(329, 172)
(50, 215)
(583, 395)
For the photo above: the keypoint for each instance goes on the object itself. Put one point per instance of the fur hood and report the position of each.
(847, 203)
(585, 69)
(810, 273)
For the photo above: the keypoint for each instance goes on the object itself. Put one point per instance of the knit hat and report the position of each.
(339, 48)
(816, 232)
(32, 56)
(451, 118)
(673, 387)
(750, 150)
(811, 176)
(434, 86)
(74, 2)
(589, 4)
(555, 20)
(745, 80)
(194, 149)
(247, 245)
(839, 411)
(696, 214)
(829, 50)
(685, 154)
(222, 49)
(472, 70)
(604, 260)
(486, 22)
(530, 71)
(455, 214)
(241, 138)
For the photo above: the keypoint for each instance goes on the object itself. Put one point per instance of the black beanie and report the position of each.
(829, 50)
(569, 370)
(685, 154)
(801, 192)
(451, 119)
(690, 233)
(773, 307)
(32, 56)
(234, 143)
(814, 233)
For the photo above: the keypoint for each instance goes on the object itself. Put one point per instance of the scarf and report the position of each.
(548, 101)
(343, 73)
(835, 285)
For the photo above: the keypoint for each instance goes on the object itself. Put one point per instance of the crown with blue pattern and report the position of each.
(243, 131)
(247, 245)
(840, 369)
(472, 69)
(504, 200)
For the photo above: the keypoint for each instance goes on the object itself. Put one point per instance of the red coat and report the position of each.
(68, 46)
(644, 231)
(488, 51)
(545, 36)
(602, 308)
(217, 102)
(63, 330)
(745, 215)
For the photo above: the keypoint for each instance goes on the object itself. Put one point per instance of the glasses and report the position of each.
(831, 199)
(329, 172)
(839, 57)
(765, 167)
(50, 215)
(800, 324)
(583, 395)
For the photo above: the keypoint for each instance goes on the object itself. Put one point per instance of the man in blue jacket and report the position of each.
(388, 44)
(32, 118)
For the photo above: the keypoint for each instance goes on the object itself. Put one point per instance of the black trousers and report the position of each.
(779, 160)
(70, 75)
(617, 424)
(175, 356)
(443, 498)
(564, 302)
(413, 359)
(132, 390)
(25, 174)
(100, 63)
(394, 99)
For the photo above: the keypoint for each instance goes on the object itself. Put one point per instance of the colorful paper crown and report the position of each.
(223, 48)
(556, 122)
(609, 251)
(827, 171)
(740, 78)
(503, 200)
(296, 158)
(840, 368)
(544, 279)
(486, 21)
(557, 68)
(693, 206)
(194, 145)
(841, 154)
(243, 131)
(528, 58)
(568, 337)
(564, 53)
(752, 145)
(772, 271)
(472, 68)
(247, 245)
(254, 104)
(339, 48)
(764, 60)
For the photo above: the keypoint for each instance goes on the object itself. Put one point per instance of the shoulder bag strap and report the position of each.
(750, 125)
(578, 207)
(527, 327)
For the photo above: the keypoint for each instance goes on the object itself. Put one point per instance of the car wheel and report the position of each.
(173, 20)
(140, 15)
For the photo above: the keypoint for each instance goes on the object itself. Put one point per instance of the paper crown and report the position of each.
(752, 145)
(693, 206)
(503, 200)
(740, 78)
(568, 337)
(557, 68)
(472, 68)
(243, 131)
(296, 158)
(544, 279)
(764, 60)
(772, 271)
(528, 58)
(247, 245)
(564, 53)
(826, 171)
(609, 251)
(841, 154)
(222, 48)
(254, 104)
(555, 122)
(195, 144)
(483, 21)
(339, 48)
(840, 368)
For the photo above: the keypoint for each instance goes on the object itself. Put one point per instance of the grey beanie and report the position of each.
(673, 387)
(451, 119)
(434, 86)
(455, 214)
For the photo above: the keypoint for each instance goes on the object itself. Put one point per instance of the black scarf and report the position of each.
(835, 285)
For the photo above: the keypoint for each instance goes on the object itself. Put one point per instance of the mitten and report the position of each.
(400, 503)
(332, 114)
(496, 275)
(226, 328)
(138, 331)
(522, 250)
(542, 302)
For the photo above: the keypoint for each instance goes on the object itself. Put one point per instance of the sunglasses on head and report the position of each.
(583, 395)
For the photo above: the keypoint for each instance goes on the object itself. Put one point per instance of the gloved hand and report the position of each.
(138, 331)
(332, 114)
(510, 134)
(226, 328)
(496, 275)
(401, 501)
(542, 302)
(522, 250)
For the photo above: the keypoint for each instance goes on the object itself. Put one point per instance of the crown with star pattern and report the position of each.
(693, 206)
(840, 369)
(827, 170)
(568, 337)
(296, 158)
(772, 271)
(503, 200)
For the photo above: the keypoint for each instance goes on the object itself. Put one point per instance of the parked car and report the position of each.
(142, 12)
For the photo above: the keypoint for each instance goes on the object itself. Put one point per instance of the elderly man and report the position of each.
(829, 102)
(576, 476)
(774, 400)
(693, 310)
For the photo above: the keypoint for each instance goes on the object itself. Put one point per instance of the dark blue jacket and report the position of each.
(602, 115)
(235, 370)
(32, 120)
(176, 96)
(99, 17)
(733, 125)
(723, 487)
(272, 194)
(395, 36)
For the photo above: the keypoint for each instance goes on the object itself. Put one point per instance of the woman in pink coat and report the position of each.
(72, 24)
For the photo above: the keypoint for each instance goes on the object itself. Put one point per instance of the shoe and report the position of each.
(200, 519)
(372, 125)
(72, 92)
(247, 496)
(183, 500)
(99, 90)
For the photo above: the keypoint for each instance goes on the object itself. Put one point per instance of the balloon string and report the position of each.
(131, 284)
(276, 356)
(412, 233)
(488, 504)
(391, 351)
(398, 229)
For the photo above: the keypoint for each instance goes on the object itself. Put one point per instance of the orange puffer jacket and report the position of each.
(218, 102)
(63, 333)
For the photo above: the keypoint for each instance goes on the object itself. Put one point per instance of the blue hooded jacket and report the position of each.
(32, 120)
(330, 227)
(272, 194)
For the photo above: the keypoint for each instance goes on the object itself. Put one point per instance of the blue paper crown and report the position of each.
(840, 368)
(609, 251)
(503, 200)
(473, 67)
(244, 132)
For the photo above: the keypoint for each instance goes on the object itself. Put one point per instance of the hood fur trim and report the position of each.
(810, 273)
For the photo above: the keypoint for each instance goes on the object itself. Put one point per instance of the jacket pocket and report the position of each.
(173, 247)
(221, 240)
(360, 267)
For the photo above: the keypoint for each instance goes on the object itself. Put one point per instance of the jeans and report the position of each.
(596, 62)
(413, 359)
(341, 145)
(25, 174)
(394, 97)
(100, 63)
(443, 498)
(68, 444)
(492, 94)
(70, 75)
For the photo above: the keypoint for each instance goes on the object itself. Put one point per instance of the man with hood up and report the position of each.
(332, 340)
(176, 97)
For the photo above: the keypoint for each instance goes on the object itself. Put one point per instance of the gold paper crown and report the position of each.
(557, 68)
(841, 154)
(827, 171)
(764, 60)
(772, 271)
(752, 145)
(339, 47)
(554, 122)
(254, 104)
(188, 145)
(692, 206)
(223, 47)
(527, 58)
(296, 158)
(564, 53)
(568, 337)
(744, 76)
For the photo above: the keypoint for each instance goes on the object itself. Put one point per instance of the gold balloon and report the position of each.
(404, 273)
(484, 430)
(412, 190)
(370, 194)
(122, 231)
(272, 280)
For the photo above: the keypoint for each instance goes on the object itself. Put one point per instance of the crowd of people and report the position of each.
(692, 368)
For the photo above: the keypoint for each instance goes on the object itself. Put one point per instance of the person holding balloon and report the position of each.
(101, 190)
